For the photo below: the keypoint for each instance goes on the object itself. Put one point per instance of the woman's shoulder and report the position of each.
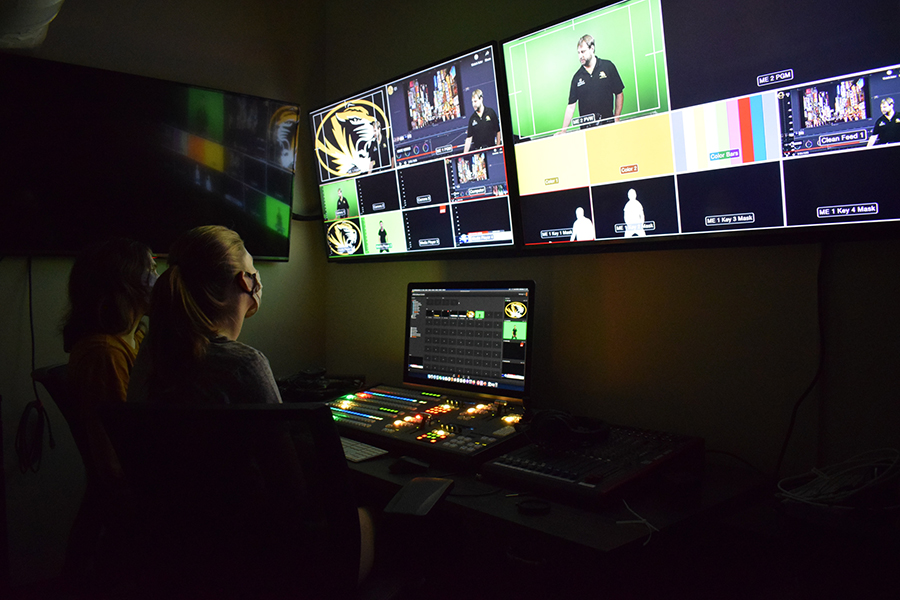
(231, 350)
(245, 364)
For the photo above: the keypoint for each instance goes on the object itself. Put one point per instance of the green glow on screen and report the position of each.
(278, 216)
(520, 327)
(206, 114)
(540, 66)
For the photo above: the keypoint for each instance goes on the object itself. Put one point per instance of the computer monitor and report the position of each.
(703, 120)
(416, 165)
(88, 154)
(470, 336)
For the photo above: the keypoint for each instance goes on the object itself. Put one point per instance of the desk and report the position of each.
(592, 529)
(731, 540)
(569, 544)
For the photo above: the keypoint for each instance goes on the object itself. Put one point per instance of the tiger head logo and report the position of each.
(343, 237)
(349, 137)
(283, 133)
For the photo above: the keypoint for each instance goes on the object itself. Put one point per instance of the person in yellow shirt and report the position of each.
(109, 293)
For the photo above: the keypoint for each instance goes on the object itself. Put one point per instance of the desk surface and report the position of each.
(605, 528)
(711, 546)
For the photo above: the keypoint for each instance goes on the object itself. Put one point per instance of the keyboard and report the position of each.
(356, 451)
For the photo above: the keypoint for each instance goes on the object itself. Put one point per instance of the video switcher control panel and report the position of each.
(429, 425)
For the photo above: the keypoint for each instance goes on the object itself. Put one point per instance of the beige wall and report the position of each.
(713, 342)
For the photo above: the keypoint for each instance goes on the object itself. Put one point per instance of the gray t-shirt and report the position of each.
(230, 373)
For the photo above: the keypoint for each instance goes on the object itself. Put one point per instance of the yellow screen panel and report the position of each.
(552, 164)
(630, 150)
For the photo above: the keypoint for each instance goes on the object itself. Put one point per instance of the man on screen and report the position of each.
(342, 210)
(484, 126)
(887, 127)
(383, 245)
(596, 87)
(376, 148)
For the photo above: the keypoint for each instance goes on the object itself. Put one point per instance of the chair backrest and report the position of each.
(54, 380)
(237, 501)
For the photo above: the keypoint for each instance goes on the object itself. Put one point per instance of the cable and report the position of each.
(738, 458)
(640, 521)
(29, 442)
(299, 217)
(820, 368)
(558, 431)
(837, 484)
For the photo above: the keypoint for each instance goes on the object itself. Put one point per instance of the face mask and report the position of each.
(150, 279)
(256, 293)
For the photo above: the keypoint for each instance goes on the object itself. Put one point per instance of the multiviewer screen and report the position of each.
(665, 118)
(417, 164)
(471, 336)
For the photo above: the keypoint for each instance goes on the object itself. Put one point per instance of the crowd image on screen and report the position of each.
(436, 103)
(472, 168)
(849, 104)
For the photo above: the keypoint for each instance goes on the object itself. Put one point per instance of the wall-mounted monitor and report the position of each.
(416, 165)
(674, 120)
(88, 154)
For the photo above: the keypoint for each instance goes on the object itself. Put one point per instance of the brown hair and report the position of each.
(190, 295)
(108, 290)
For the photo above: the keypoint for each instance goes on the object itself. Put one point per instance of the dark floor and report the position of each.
(762, 552)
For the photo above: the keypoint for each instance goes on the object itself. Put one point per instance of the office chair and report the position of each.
(53, 379)
(95, 505)
(234, 501)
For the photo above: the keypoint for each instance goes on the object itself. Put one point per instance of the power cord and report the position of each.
(29, 441)
(739, 459)
(820, 368)
(299, 217)
(640, 521)
(559, 431)
(845, 484)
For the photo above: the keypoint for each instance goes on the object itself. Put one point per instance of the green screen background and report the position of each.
(393, 223)
(539, 67)
(521, 330)
(329, 193)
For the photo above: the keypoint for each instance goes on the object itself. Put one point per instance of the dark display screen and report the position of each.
(88, 154)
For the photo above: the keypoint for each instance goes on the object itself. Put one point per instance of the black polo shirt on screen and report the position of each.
(483, 130)
(595, 92)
